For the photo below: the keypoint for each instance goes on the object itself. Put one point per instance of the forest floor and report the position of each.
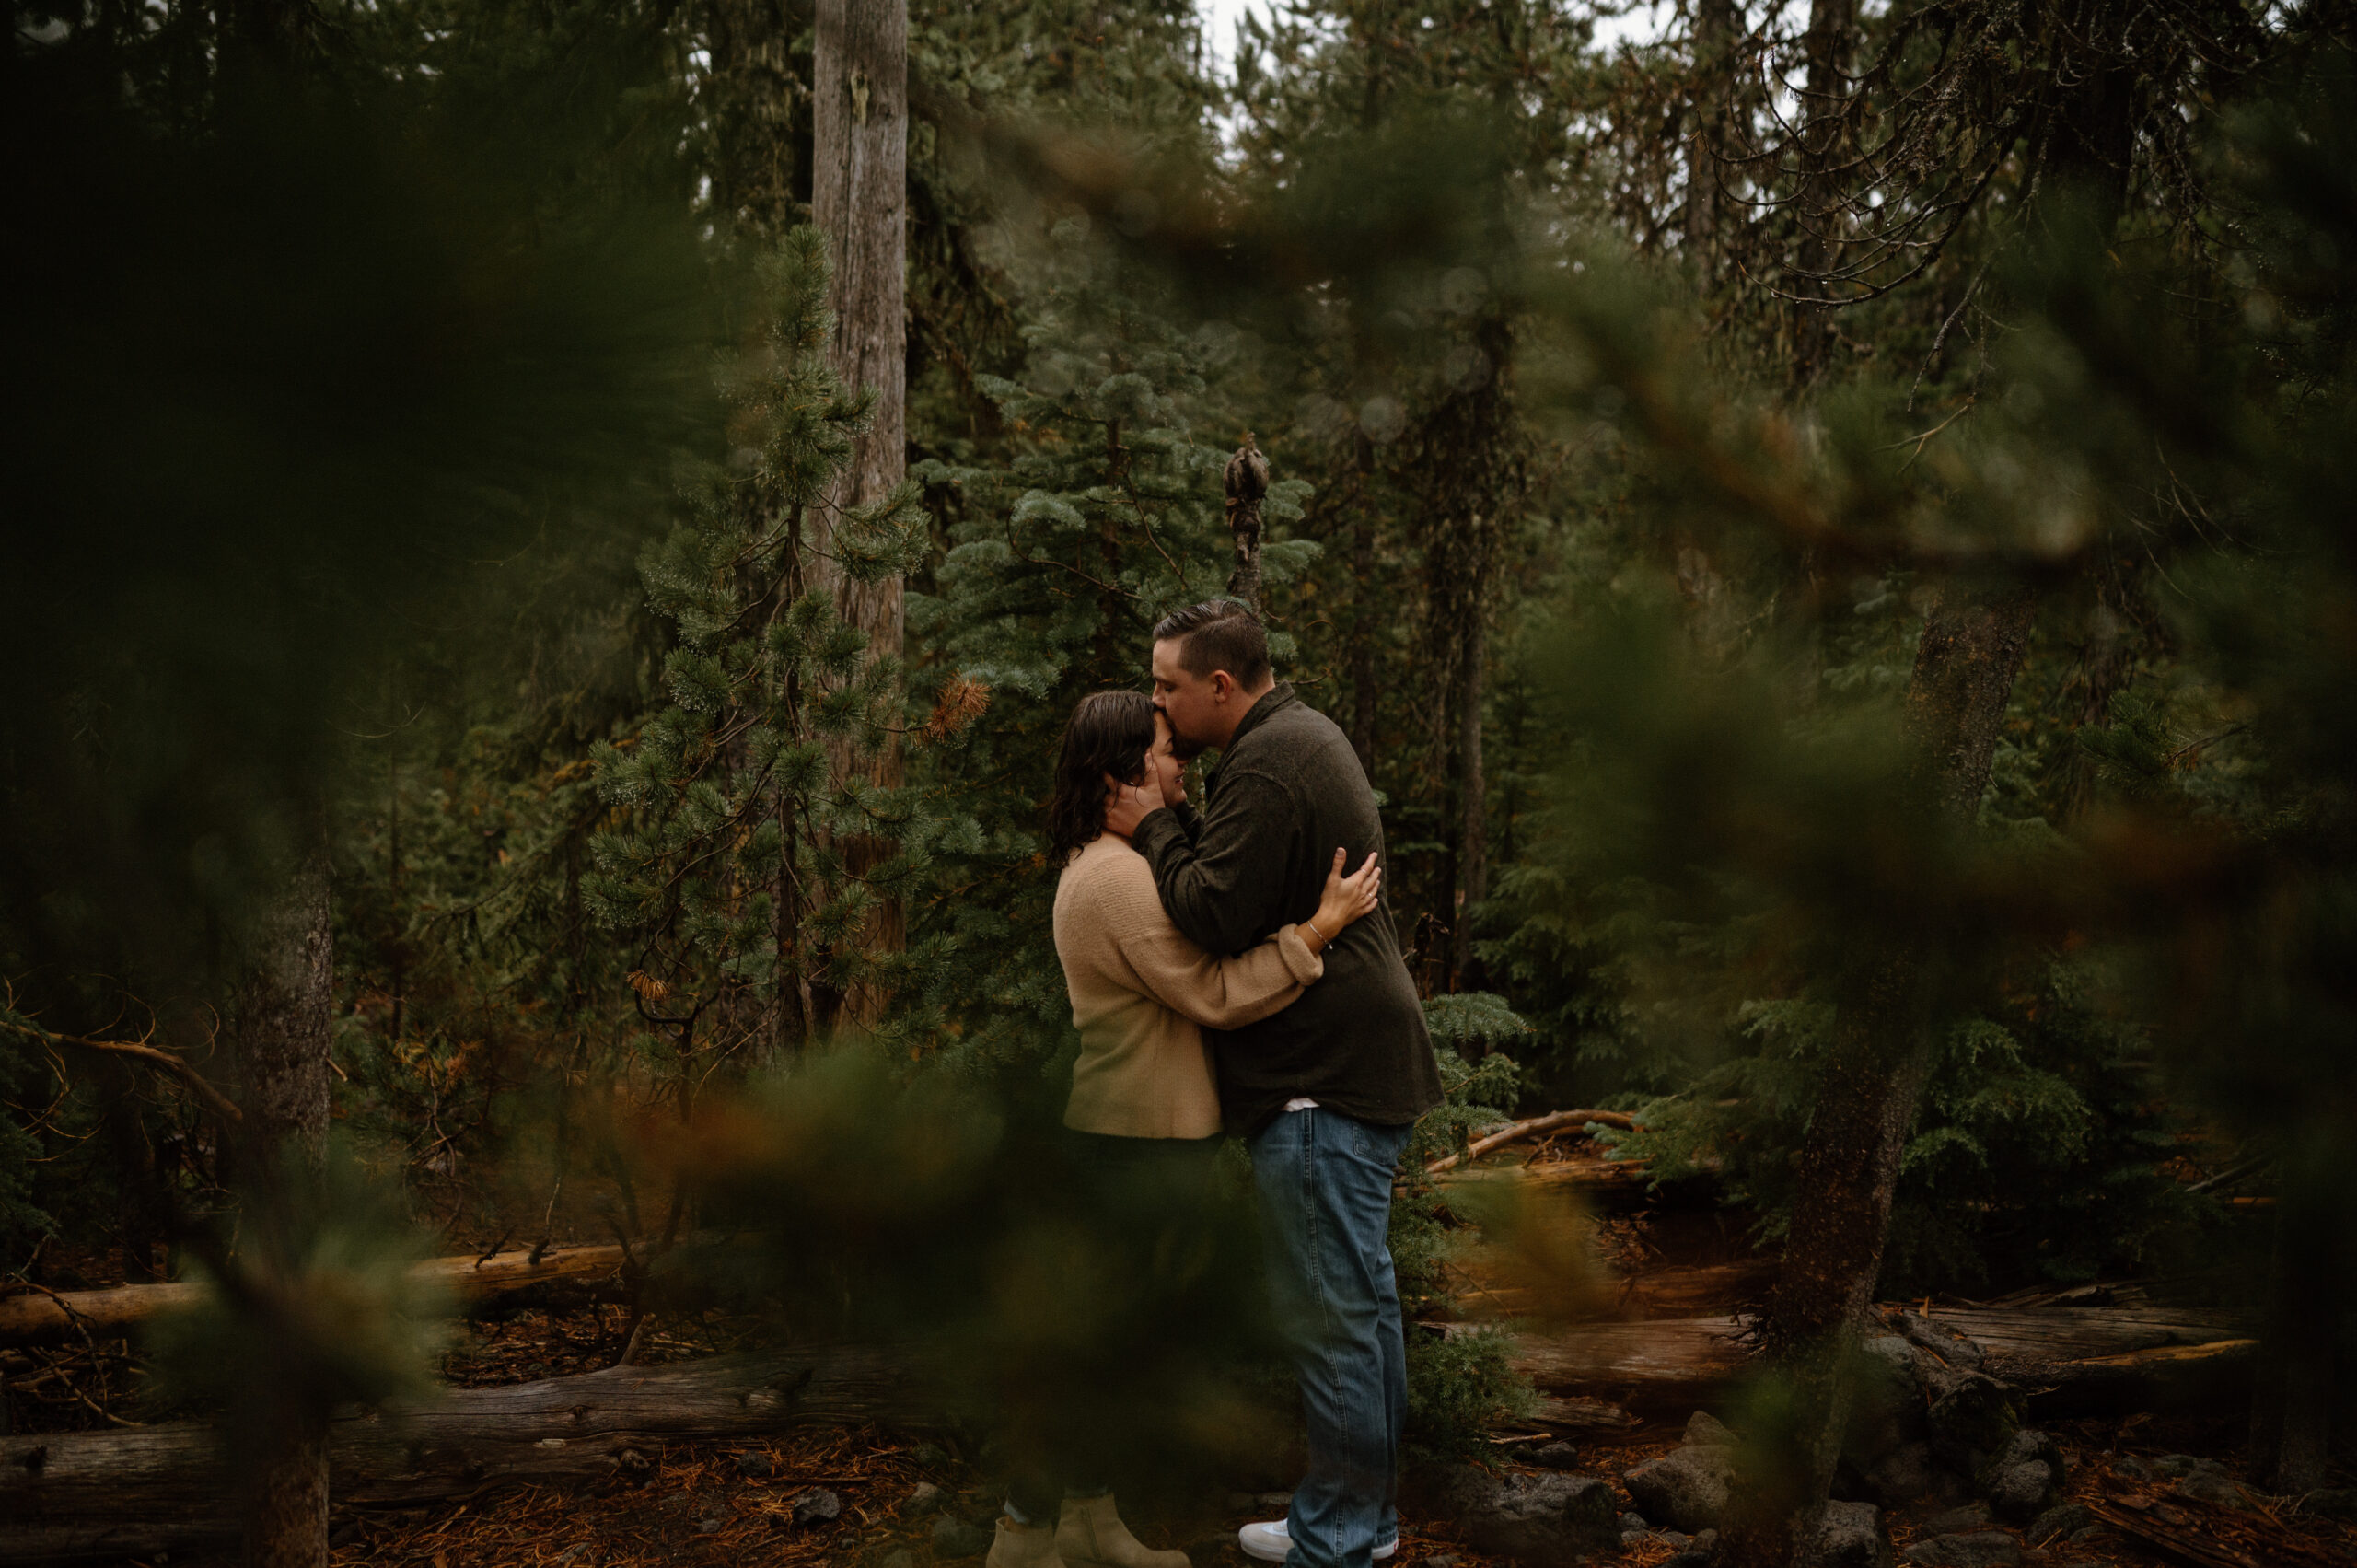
(871, 1498)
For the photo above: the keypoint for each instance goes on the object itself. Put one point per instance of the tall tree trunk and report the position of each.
(1828, 50)
(1361, 640)
(859, 196)
(1473, 856)
(2291, 1397)
(284, 1000)
(284, 1012)
(1965, 667)
(1447, 907)
(1717, 24)
(2104, 670)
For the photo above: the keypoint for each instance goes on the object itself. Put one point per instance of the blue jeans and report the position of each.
(1325, 1190)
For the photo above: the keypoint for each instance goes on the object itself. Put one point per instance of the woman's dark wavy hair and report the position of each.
(1108, 733)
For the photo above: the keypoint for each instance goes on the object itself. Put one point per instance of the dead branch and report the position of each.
(1515, 1132)
(163, 1061)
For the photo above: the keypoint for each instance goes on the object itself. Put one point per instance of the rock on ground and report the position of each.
(1536, 1518)
(953, 1537)
(1846, 1535)
(1686, 1489)
(2215, 1486)
(1958, 1521)
(2061, 1520)
(2020, 1493)
(1970, 1420)
(1886, 1411)
(1708, 1431)
(1987, 1548)
(1556, 1456)
(2025, 1478)
(1906, 1474)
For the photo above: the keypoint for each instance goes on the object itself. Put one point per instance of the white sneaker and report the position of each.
(1270, 1541)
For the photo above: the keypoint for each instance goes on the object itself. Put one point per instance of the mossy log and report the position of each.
(99, 1495)
(61, 1317)
(2065, 1360)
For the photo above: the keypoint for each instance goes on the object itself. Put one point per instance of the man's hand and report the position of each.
(1127, 805)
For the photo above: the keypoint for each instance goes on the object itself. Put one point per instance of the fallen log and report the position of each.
(54, 1318)
(2166, 1377)
(93, 1494)
(1673, 1364)
(2066, 1360)
(1515, 1132)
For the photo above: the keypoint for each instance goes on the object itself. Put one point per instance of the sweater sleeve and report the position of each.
(1217, 993)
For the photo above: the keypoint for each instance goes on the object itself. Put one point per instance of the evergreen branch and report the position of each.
(1137, 503)
(1029, 560)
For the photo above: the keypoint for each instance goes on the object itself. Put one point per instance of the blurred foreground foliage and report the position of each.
(415, 446)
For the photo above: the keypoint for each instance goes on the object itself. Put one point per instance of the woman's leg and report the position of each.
(1148, 1203)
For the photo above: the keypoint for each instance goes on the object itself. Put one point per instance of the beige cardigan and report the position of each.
(1139, 992)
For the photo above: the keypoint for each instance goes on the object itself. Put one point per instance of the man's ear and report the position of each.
(1222, 685)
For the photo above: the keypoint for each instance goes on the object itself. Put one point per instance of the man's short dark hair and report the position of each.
(1219, 633)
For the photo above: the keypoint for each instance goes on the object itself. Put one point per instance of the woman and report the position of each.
(1144, 1115)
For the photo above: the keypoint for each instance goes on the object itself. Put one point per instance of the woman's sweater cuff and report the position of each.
(1307, 966)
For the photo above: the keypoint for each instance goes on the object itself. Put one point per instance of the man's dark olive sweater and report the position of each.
(1287, 792)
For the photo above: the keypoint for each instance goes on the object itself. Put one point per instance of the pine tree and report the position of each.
(727, 871)
(1405, 412)
(1108, 515)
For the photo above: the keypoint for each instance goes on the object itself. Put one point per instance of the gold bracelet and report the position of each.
(1329, 941)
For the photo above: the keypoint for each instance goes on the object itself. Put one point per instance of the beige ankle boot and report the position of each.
(1091, 1535)
(1022, 1546)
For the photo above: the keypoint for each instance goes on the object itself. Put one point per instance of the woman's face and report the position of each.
(1162, 768)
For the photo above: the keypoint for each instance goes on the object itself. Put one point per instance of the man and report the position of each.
(1323, 1092)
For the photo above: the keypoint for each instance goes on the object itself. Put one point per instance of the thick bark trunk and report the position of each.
(284, 1009)
(1473, 785)
(1439, 964)
(2291, 1405)
(152, 1489)
(2104, 670)
(286, 1495)
(1828, 50)
(1717, 23)
(859, 196)
(1363, 608)
(1848, 1171)
(1966, 664)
